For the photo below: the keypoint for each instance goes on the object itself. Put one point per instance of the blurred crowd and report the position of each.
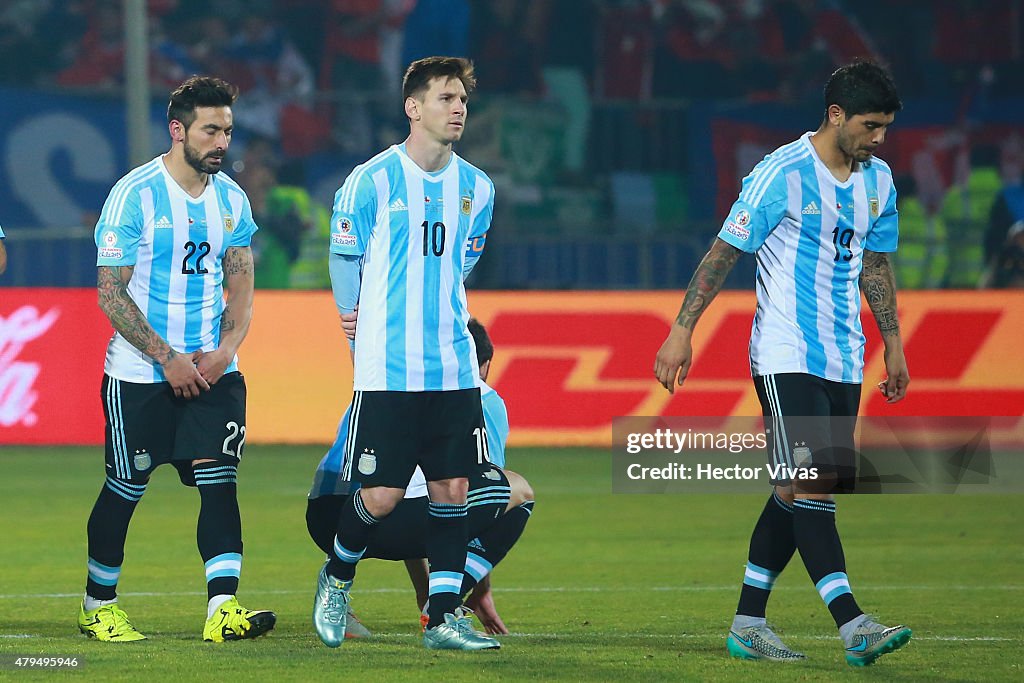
(324, 76)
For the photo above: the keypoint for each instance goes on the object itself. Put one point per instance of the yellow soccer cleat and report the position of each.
(231, 621)
(108, 623)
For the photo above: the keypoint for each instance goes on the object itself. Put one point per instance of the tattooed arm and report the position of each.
(878, 283)
(234, 321)
(127, 319)
(675, 355)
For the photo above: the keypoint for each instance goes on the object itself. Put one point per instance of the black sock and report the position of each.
(446, 552)
(814, 525)
(771, 546)
(490, 548)
(354, 526)
(219, 529)
(107, 530)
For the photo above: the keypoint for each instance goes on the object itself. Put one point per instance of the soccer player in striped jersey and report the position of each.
(819, 215)
(173, 240)
(407, 227)
(500, 504)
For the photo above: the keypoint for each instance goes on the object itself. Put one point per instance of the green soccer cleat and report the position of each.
(871, 640)
(456, 633)
(231, 621)
(760, 642)
(108, 623)
(330, 608)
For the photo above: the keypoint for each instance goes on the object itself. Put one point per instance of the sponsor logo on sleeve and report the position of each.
(737, 230)
(345, 225)
(742, 218)
(110, 252)
(343, 240)
(109, 238)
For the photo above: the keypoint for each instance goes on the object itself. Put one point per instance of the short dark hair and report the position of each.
(862, 87)
(199, 91)
(419, 74)
(484, 347)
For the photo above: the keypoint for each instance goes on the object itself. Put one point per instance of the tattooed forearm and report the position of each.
(707, 282)
(227, 323)
(237, 261)
(878, 283)
(238, 285)
(125, 316)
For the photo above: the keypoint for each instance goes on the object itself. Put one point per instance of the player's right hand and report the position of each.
(672, 363)
(484, 609)
(184, 377)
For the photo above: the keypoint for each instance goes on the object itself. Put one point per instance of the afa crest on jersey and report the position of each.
(467, 205)
(229, 223)
(873, 206)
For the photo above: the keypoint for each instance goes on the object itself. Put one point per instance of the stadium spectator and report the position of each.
(923, 256)
(440, 27)
(1004, 238)
(966, 209)
(98, 57)
(288, 250)
(507, 45)
(270, 71)
(807, 346)
(568, 64)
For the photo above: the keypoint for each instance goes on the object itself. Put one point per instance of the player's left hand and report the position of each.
(672, 363)
(348, 324)
(483, 606)
(212, 364)
(894, 386)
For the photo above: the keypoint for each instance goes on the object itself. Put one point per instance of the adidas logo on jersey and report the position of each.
(398, 205)
(811, 210)
(164, 223)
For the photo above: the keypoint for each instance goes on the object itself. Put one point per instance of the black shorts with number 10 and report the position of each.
(147, 425)
(393, 431)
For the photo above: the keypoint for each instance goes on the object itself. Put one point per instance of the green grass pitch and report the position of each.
(601, 587)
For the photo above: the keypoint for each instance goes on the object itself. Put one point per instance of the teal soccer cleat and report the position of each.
(456, 633)
(871, 640)
(760, 642)
(330, 608)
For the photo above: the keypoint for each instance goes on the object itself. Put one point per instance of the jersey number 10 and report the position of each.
(435, 236)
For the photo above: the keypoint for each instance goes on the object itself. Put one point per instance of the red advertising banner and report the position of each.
(566, 363)
(52, 343)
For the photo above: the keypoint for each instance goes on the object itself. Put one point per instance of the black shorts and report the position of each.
(810, 422)
(402, 535)
(147, 425)
(393, 431)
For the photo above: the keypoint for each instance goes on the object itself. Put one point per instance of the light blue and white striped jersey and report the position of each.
(176, 243)
(330, 480)
(416, 232)
(808, 232)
